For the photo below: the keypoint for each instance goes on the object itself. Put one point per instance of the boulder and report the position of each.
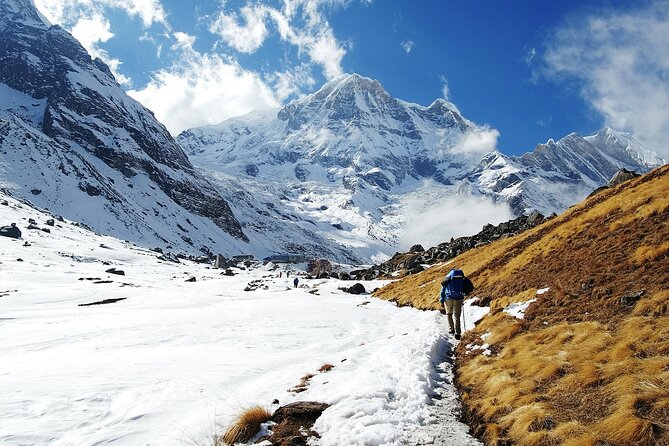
(416, 269)
(299, 411)
(169, 257)
(344, 276)
(631, 299)
(621, 176)
(118, 272)
(294, 422)
(417, 248)
(192, 279)
(534, 216)
(357, 288)
(11, 231)
(324, 275)
(50, 222)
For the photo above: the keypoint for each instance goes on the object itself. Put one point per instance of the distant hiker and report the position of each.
(296, 281)
(454, 288)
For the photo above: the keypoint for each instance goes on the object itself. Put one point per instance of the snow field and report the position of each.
(175, 361)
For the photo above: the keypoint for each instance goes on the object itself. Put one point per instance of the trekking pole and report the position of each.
(464, 321)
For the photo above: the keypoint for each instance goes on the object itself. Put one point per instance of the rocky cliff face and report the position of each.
(94, 154)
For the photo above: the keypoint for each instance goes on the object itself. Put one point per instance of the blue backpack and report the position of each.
(456, 285)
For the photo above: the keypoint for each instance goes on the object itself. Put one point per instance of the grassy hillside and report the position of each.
(589, 364)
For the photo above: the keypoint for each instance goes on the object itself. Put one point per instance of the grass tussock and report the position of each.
(325, 368)
(585, 366)
(245, 427)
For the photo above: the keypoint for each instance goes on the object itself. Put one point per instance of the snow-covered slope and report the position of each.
(171, 362)
(73, 141)
(353, 165)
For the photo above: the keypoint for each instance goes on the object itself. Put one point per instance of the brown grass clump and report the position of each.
(303, 384)
(589, 364)
(325, 368)
(245, 427)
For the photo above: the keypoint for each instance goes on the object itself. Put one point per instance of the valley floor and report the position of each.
(175, 361)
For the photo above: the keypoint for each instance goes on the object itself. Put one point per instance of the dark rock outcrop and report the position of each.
(356, 288)
(294, 422)
(412, 262)
(621, 176)
(11, 231)
(118, 272)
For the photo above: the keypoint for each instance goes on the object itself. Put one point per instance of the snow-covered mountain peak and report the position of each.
(351, 82)
(355, 165)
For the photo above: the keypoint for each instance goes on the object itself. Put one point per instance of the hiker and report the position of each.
(296, 281)
(454, 288)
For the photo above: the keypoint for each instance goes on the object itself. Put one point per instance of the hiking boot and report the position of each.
(457, 336)
(451, 332)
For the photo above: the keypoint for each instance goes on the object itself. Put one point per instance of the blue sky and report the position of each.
(531, 69)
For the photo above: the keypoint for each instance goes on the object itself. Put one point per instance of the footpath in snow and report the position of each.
(173, 362)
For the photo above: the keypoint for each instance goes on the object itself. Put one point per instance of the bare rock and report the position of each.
(118, 272)
(357, 288)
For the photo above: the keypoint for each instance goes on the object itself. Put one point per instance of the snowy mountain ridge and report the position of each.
(368, 172)
(74, 142)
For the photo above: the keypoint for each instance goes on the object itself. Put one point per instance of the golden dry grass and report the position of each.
(245, 427)
(582, 368)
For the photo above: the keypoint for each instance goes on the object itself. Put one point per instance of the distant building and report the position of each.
(288, 258)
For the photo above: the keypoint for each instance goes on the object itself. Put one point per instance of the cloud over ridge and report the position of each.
(621, 60)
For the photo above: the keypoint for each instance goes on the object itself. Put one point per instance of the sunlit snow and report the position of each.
(175, 361)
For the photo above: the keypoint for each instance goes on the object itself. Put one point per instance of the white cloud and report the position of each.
(291, 82)
(91, 31)
(300, 23)
(68, 12)
(184, 41)
(621, 59)
(445, 91)
(326, 51)
(407, 46)
(434, 223)
(479, 140)
(203, 89)
(86, 20)
(245, 38)
(529, 57)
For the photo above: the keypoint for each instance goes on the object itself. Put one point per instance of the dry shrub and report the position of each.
(303, 385)
(325, 368)
(245, 427)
